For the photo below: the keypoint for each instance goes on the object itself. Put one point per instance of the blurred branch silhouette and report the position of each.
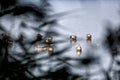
(112, 42)
(20, 65)
(19, 61)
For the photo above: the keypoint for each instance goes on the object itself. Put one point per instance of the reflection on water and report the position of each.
(79, 50)
(73, 39)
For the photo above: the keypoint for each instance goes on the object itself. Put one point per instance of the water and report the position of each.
(82, 18)
(87, 17)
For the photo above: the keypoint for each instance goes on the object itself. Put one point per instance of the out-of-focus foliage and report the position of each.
(19, 61)
(21, 64)
(112, 42)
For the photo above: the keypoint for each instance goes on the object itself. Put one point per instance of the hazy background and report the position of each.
(78, 17)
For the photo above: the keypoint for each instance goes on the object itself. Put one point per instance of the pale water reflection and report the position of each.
(82, 30)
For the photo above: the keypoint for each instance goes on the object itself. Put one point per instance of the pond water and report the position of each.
(81, 18)
(87, 17)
